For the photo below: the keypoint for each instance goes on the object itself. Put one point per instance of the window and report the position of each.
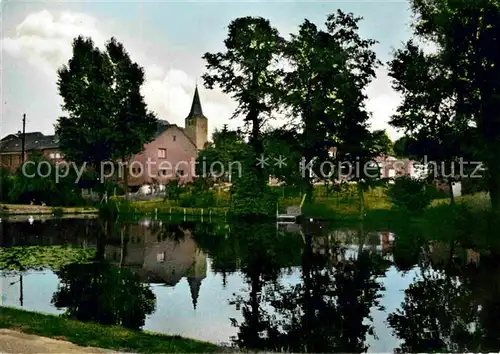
(162, 172)
(136, 170)
(175, 138)
(180, 172)
(160, 257)
(162, 153)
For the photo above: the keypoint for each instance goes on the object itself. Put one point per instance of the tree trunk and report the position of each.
(125, 177)
(361, 200)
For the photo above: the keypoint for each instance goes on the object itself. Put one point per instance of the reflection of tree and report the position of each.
(325, 312)
(262, 254)
(103, 293)
(443, 312)
(435, 315)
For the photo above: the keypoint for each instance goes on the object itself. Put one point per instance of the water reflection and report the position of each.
(159, 254)
(314, 287)
(103, 293)
(327, 310)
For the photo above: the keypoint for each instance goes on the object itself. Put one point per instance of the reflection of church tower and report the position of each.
(196, 274)
(196, 124)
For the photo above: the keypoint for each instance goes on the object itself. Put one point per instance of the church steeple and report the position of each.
(196, 110)
(196, 124)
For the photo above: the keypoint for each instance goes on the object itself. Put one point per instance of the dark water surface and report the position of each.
(315, 287)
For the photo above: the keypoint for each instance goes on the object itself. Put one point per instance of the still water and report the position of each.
(318, 287)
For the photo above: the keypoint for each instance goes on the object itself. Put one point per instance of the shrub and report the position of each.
(173, 190)
(409, 194)
(6, 183)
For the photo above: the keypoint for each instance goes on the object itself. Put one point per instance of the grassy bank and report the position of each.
(95, 335)
(25, 209)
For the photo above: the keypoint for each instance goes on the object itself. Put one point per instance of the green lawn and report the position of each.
(95, 335)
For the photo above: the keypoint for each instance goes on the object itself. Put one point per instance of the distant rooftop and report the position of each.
(33, 141)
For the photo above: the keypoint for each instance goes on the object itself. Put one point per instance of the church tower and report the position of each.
(196, 274)
(196, 124)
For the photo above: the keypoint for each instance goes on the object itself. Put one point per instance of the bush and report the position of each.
(473, 185)
(409, 194)
(31, 186)
(173, 190)
(201, 199)
(6, 182)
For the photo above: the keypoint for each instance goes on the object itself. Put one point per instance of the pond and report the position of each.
(318, 286)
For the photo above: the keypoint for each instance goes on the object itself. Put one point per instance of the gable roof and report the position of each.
(164, 128)
(33, 141)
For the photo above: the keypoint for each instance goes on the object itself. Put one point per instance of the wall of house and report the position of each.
(12, 160)
(180, 154)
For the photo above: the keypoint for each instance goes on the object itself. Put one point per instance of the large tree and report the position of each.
(330, 68)
(247, 71)
(465, 34)
(428, 112)
(106, 116)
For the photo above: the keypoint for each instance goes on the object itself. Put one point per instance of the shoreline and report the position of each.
(90, 334)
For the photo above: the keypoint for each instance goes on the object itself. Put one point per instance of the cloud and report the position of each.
(382, 103)
(44, 40)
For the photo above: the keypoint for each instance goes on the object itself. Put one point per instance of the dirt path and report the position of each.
(16, 342)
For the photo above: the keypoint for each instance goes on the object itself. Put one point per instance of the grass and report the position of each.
(477, 201)
(26, 209)
(95, 335)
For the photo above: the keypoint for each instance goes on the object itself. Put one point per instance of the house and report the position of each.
(171, 154)
(11, 149)
(391, 167)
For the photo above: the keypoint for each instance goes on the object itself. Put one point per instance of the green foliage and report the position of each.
(453, 92)
(6, 183)
(473, 185)
(39, 257)
(57, 211)
(250, 198)
(245, 71)
(401, 147)
(284, 145)
(90, 334)
(37, 182)
(173, 190)
(331, 68)
(221, 157)
(381, 144)
(200, 199)
(106, 114)
(409, 194)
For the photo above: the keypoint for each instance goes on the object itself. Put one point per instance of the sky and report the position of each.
(168, 39)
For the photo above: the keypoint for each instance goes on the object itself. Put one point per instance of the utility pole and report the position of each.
(23, 139)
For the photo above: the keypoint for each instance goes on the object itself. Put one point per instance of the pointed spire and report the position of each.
(196, 105)
(194, 285)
